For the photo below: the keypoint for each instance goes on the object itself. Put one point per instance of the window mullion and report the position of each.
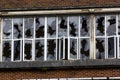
(1, 29)
(45, 37)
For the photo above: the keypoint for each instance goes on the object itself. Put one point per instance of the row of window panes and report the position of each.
(58, 39)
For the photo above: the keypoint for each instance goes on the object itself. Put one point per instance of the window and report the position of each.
(63, 37)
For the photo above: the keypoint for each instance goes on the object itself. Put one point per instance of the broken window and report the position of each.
(39, 49)
(100, 25)
(17, 28)
(100, 48)
(111, 46)
(28, 50)
(40, 25)
(73, 26)
(84, 48)
(17, 50)
(85, 26)
(6, 51)
(28, 27)
(62, 26)
(7, 28)
(111, 25)
(51, 49)
(73, 48)
(51, 27)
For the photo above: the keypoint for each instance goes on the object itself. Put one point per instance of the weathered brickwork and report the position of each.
(79, 73)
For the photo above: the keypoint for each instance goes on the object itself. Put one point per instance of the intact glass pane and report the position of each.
(62, 27)
(111, 25)
(29, 27)
(39, 49)
(7, 28)
(51, 27)
(73, 48)
(84, 48)
(85, 26)
(17, 50)
(73, 24)
(40, 26)
(51, 49)
(17, 28)
(27, 50)
(6, 51)
(100, 25)
(100, 48)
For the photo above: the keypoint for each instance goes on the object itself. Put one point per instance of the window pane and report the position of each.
(73, 48)
(111, 46)
(100, 48)
(85, 26)
(119, 46)
(51, 49)
(29, 27)
(62, 26)
(100, 25)
(7, 28)
(119, 24)
(51, 27)
(111, 25)
(39, 50)
(17, 27)
(40, 25)
(17, 48)
(84, 48)
(6, 51)
(28, 50)
(73, 23)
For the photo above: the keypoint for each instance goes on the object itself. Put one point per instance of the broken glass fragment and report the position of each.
(111, 47)
(73, 48)
(100, 48)
(17, 50)
(85, 48)
(29, 27)
(51, 27)
(17, 27)
(28, 50)
(39, 50)
(111, 25)
(73, 23)
(7, 28)
(51, 50)
(100, 25)
(62, 26)
(40, 24)
(85, 26)
(6, 51)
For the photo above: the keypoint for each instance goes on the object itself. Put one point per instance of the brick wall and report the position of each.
(37, 74)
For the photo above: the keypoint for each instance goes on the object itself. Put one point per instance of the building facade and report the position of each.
(60, 40)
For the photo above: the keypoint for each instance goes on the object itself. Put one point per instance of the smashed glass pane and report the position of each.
(85, 48)
(28, 50)
(51, 50)
(51, 27)
(62, 26)
(73, 48)
(111, 25)
(111, 47)
(119, 25)
(39, 50)
(17, 48)
(29, 27)
(100, 25)
(100, 48)
(73, 23)
(7, 28)
(85, 26)
(40, 25)
(17, 27)
(6, 51)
